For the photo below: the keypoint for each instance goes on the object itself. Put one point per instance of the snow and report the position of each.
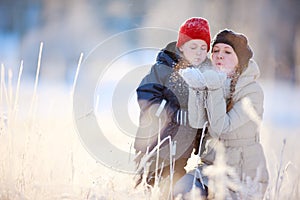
(282, 109)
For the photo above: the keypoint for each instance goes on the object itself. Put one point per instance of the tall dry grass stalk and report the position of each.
(76, 74)
(15, 107)
(4, 90)
(285, 183)
(33, 104)
(162, 188)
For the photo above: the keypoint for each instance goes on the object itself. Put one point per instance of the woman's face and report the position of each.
(224, 58)
(194, 51)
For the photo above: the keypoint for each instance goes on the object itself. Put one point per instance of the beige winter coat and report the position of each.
(238, 129)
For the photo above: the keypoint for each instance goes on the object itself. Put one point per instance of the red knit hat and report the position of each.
(194, 28)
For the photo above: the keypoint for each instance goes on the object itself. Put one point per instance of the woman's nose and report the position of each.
(220, 56)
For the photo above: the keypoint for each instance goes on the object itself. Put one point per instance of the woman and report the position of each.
(234, 109)
(162, 85)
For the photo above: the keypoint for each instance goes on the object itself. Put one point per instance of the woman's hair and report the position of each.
(234, 79)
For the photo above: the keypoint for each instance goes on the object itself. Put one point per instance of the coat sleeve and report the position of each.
(197, 114)
(247, 107)
(150, 93)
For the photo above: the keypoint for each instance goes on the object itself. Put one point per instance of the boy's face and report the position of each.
(194, 51)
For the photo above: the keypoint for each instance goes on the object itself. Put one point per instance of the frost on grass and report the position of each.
(284, 183)
(222, 178)
(225, 183)
(42, 157)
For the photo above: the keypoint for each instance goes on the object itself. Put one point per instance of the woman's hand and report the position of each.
(209, 79)
(193, 77)
(214, 79)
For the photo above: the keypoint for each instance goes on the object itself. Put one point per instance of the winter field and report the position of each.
(42, 156)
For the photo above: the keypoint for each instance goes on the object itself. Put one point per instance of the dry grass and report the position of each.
(283, 163)
(41, 154)
(42, 157)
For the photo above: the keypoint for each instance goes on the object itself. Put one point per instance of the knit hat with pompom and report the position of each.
(194, 28)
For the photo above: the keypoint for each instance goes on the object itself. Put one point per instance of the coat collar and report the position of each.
(250, 74)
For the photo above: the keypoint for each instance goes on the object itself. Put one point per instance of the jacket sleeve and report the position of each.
(196, 112)
(150, 93)
(211, 81)
(248, 107)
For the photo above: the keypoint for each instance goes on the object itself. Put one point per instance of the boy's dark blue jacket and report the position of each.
(162, 82)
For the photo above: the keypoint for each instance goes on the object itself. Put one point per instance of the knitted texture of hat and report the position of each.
(194, 28)
(238, 42)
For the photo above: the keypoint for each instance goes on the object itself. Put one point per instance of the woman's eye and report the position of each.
(228, 52)
(216, 51)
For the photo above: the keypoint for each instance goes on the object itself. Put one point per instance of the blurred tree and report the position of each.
(19, 16)
(272, 26)
(287, 20)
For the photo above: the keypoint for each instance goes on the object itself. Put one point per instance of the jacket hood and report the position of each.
(250, 74)
(169, 55)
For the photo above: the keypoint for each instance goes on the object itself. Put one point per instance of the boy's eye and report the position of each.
(216, 50)
(228, 52)
(203, 48)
